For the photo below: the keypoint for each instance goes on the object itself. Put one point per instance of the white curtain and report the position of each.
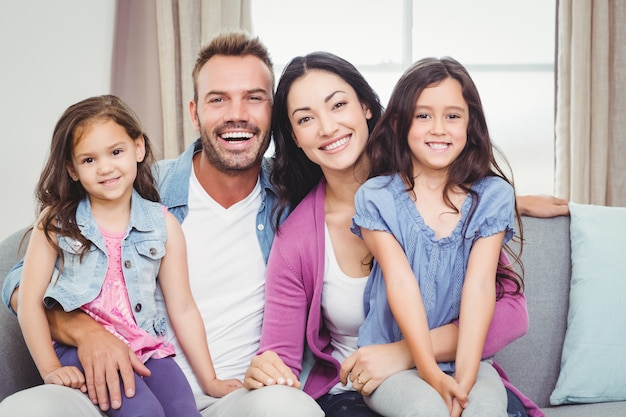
(591, 98)
(183, 26)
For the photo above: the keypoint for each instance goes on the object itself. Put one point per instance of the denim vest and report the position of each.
(143, 246)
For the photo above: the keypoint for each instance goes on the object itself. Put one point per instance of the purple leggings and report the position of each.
(165, 393)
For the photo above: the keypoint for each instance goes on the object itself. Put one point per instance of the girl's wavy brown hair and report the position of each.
(56, 193)
(389, 152)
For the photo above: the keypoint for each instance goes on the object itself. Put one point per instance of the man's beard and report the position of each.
(231, 163)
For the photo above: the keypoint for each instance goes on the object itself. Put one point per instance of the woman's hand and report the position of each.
(269, 369)
(369, 366)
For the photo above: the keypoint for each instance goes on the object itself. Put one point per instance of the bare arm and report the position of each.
(477, 306)
(542, 206)
(407, 306)
(184, 314)
(38, 267)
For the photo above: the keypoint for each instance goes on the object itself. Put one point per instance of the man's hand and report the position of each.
(542, 206)
(106, 359)
(269, 369)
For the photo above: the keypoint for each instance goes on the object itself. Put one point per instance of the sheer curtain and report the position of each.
(183, 27)
(591, 99)
(135, 73)
(156, 44)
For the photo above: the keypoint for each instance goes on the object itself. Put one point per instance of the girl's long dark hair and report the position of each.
(293, 173)
(389, 151)
(57, 194)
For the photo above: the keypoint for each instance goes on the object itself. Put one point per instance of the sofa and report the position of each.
(532, 362)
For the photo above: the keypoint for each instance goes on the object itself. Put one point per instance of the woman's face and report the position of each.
(329, 122)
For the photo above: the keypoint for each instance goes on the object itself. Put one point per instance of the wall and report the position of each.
(54, 53)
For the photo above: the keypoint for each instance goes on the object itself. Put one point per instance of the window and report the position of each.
(508, 47)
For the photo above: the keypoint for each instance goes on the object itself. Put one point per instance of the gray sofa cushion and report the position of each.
(533, 361)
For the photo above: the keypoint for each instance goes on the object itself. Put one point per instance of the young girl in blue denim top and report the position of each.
(101, 241)
(435, 214)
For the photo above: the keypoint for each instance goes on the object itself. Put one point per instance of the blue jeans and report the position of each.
(515, 408)
(165, 393)
(346, 404)
(350, 404)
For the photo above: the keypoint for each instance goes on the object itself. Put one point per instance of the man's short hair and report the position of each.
(237, 43)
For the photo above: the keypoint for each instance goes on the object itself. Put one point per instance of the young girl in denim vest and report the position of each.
(101, 241)
(435, 214)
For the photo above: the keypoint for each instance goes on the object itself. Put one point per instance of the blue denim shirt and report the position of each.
(439, 264)
(80, 281)
(172, 178)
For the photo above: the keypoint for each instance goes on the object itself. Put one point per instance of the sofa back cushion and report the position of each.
(593, 368)
(533, 361)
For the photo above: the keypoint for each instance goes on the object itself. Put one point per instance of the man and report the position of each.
(219, 191)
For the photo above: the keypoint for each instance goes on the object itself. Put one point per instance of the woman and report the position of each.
(323, 113)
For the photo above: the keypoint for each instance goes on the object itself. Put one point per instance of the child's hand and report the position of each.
(218, 388)
(457, 409)
(452, 393)
(69, 376)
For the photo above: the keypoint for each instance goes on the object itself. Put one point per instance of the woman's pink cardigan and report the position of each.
(293, 295)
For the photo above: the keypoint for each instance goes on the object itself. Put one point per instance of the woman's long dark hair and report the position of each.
(57, 194)
(389, 152)
(293, 173)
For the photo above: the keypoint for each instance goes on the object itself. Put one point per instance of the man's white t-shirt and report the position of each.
(227, 277)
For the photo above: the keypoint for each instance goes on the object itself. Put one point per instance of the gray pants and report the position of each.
(59, 401)
(405, 394)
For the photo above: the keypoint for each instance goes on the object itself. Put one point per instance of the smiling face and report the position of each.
(104, 160)
(329, 122)
(233, 111)
(438, 132)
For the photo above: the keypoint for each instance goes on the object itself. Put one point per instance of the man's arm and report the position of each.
(542, 206)
(101, 354)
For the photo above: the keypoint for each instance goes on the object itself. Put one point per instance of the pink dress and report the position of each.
(111, 308)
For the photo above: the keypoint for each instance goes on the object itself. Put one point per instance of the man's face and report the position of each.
(233, 112)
